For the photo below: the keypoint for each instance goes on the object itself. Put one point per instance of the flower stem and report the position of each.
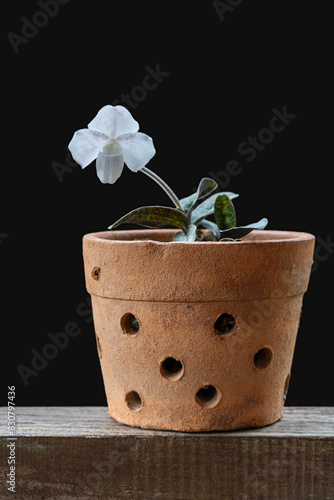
(164, 186)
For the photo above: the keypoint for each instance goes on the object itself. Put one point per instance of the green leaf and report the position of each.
(212, 226)
(154, 217)
(190, 236)
(207, 207)
(205, 187)
(180, 236)
(238, 232)
(224, 212)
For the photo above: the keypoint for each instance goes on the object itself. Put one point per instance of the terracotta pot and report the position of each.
(196, 336)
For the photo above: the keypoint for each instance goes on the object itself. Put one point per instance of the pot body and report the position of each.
(196, 336)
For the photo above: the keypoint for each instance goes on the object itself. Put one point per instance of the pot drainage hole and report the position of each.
(208, 396)
(171, 369)
(225, 324)
(133, 400)
(99, 348)
(96, 273)
(286, 386)
(129, 324)
(263, 358)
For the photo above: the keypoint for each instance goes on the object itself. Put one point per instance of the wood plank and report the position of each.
(94, 421)
(66, 453)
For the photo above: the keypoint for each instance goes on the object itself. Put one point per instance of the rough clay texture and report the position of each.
(177, 291)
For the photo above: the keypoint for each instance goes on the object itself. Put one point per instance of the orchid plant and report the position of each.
(113, 139)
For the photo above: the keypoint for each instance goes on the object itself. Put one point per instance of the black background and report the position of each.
(224, 77)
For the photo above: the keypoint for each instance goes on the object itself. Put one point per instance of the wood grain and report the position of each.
(67, 453)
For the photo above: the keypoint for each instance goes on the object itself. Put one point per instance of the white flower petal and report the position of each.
(114, 121)
(109, 167)
(137, 148)
(85, 145)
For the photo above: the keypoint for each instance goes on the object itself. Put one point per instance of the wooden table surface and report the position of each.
(80, 452)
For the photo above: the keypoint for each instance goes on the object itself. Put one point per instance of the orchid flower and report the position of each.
(112, 138)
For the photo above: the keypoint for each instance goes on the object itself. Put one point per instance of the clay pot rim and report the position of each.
(164, 237)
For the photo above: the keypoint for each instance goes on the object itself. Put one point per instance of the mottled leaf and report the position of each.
(154, 217)
(224, 212)
(190, 236)
(205, 187)
(207, 207)
(238, 232)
